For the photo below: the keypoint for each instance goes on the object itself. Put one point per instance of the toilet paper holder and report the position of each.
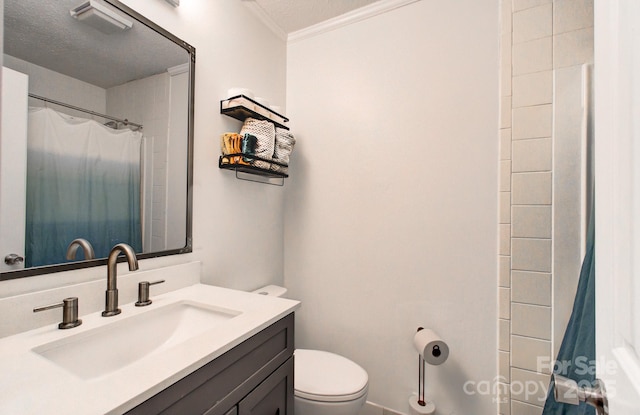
(421, 381)
(433, 350)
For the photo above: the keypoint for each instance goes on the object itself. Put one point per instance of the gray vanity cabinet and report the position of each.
(274, 396)
(253, 378)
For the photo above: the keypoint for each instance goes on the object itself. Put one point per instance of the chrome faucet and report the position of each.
(72, 249)
(111, 301)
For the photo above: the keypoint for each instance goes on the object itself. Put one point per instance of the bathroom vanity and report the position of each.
(198, 349)
(253, 378)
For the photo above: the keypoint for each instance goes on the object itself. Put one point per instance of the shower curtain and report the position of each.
(576, 358)
(83, 181)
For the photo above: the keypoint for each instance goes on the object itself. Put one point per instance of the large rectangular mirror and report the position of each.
(97, 136)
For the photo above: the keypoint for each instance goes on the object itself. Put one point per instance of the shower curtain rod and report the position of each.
(73, 107)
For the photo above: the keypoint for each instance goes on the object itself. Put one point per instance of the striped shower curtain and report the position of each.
(83, 181)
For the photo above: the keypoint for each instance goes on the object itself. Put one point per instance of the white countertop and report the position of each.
(32, 384)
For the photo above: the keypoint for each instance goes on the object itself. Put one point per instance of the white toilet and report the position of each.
(325, 383)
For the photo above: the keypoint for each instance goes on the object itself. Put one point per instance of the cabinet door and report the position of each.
(274, 396)
(233, 411)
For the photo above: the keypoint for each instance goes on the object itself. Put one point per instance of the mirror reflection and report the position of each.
(96, 130)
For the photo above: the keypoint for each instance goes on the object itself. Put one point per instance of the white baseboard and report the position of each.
(370, 408)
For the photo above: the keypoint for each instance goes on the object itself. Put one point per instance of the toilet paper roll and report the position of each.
(416, 409)
(431, 347)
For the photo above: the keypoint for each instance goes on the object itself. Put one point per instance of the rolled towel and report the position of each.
(265, 134)
(226, 147)
(230, 143)
(283, 147)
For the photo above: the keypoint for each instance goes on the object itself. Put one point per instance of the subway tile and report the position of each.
(505, 64)
(569, 15)
(529, 387)
(157, 243)
(505, 112)
(518, 5)
(159, 190)
(505, 48)
(504, 399)
(567, 129)
(505, 81)
(522, 408)
(532, 89)
(504, 366)
(533, 23)
(505, 207)
(505, 175)
(573, 48)
(532, 155)
(505, 144)
(505, 239)
(532, 122)
(531, 222)
(531, 188)
(531, 321)
(533, 56)
(504, 303)
(506, 10)
(531, 354)
(531, 287)
(504, 335)
(505, 271)
(531, 254)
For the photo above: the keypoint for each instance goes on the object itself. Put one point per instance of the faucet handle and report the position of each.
(69, 312)
(143, 292)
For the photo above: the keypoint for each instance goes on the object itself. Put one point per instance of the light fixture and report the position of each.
(174, 3)
(101, 17)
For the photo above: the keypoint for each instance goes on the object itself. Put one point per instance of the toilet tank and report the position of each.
(273, 290)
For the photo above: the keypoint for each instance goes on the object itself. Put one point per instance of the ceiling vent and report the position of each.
(101, 17)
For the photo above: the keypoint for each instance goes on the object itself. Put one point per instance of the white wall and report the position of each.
(54, 85)
(392, 202)
(238, 231)
(238, 226)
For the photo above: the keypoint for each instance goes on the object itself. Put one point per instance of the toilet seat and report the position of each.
(328, 377)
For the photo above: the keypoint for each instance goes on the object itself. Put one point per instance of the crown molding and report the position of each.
(366, 12)
(178, 69)
(264, 18)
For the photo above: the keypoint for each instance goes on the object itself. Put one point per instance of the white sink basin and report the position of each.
(105, 349)
(112, 364)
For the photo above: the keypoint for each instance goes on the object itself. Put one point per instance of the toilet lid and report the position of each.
(324, 376)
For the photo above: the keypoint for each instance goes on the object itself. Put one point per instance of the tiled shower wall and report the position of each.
(146, 101)
(539, 40)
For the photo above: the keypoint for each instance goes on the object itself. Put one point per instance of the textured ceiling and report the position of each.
(293, 15)
(44, 33)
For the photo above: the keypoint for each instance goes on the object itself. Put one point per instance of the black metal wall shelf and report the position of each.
(241, 107)
(224, 162)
